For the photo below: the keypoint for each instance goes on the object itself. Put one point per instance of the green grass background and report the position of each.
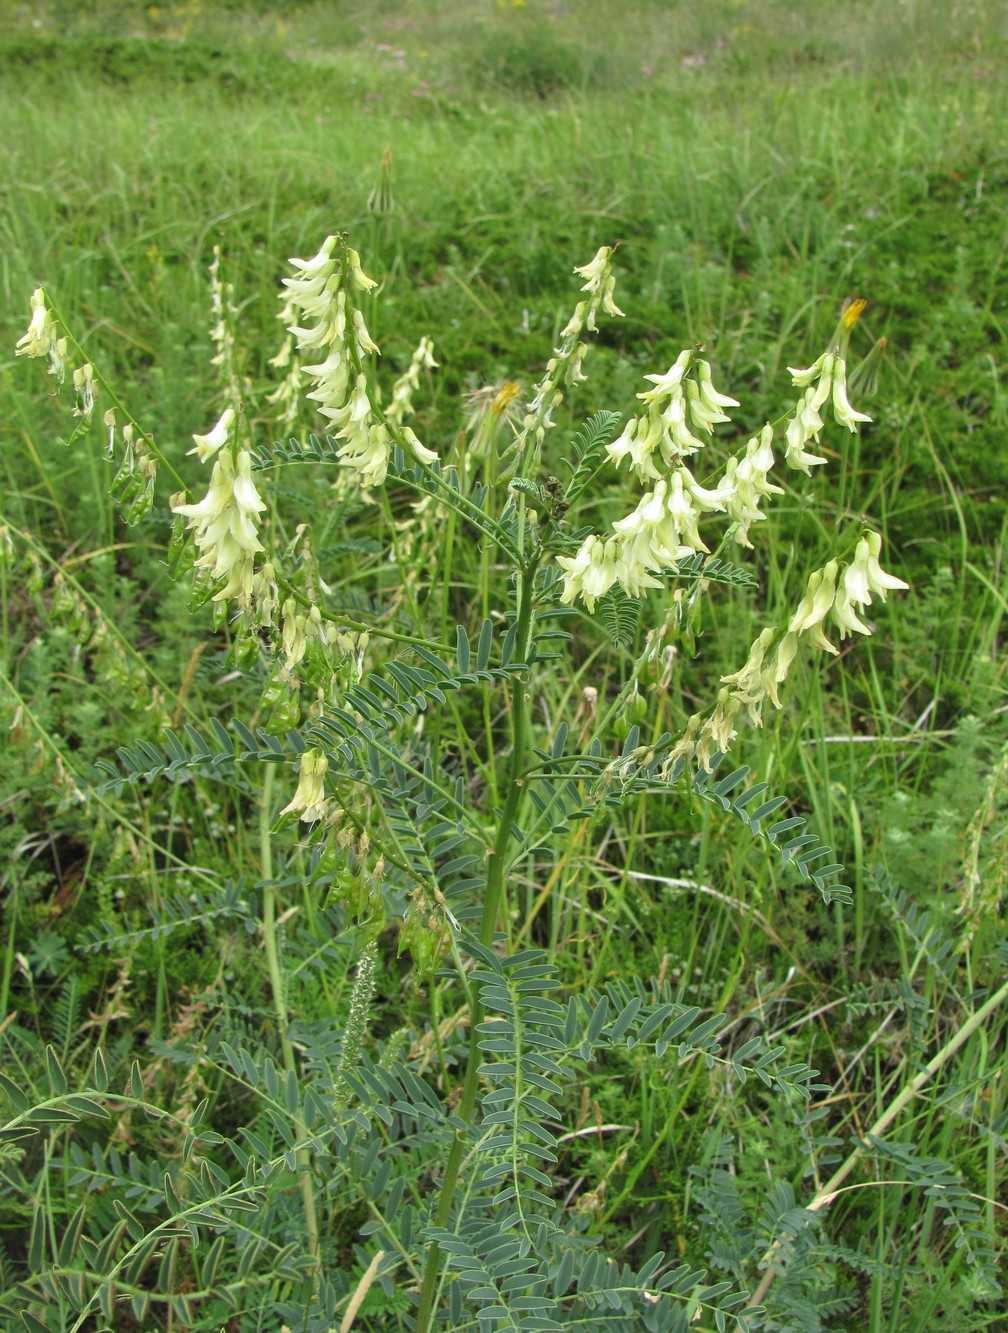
(755, 162)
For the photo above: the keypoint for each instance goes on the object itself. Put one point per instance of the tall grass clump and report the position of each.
(448, 662)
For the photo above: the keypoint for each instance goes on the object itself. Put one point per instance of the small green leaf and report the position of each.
(13, 1093)
(36, 1240)
(34, 1325)
(134, 1084)
(57, 1078)
(71, 1237)
(483, 645)
(462, 651)
(99, 1074)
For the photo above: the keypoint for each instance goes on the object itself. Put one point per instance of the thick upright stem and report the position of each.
(496, 867)
(302, 1153)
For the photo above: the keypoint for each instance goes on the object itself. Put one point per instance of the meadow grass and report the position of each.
(755, 164)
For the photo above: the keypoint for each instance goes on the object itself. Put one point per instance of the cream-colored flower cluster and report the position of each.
(225, 520)
(660, 531)
(664, 527)
(225, 318)
(133, 483)
(824, 381)
(329, 325)
(682, 407)
(836, 593)
(408, 383)
(677, 402)
(564, 366)
(42, 337)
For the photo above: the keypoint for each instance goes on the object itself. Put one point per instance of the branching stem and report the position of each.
(496, 868)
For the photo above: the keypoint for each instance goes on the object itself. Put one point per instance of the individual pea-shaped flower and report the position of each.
(815, 606)
(86, 391)
(207, 445)
(706, 499)
(844, 615)
(705, 403)
(420, 451)
(357, 279)
(309, 799)
(775, 671)
(843, 413)
(865, 575)
(819, 373)
(366, 345)
(41, 332)
(669, 384)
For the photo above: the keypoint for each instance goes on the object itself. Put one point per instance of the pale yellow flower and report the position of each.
(207, 445)
(866, 576)
(225, 525)
(309, 800)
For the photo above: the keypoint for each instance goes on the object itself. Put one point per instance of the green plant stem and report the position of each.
(302, 1153)
(826, 1195)
(116, 401)
(496, 867)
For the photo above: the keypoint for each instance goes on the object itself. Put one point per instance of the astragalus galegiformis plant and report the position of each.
(408, 776)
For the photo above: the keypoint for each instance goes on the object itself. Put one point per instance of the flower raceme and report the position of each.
(225, 520)
(41, 338)
(661, 530)
(329, 332)
(401, 404)
(682, 408)
(675, 404)
(825, 380)
(834, 593)
(564, 367)
(665, 525)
